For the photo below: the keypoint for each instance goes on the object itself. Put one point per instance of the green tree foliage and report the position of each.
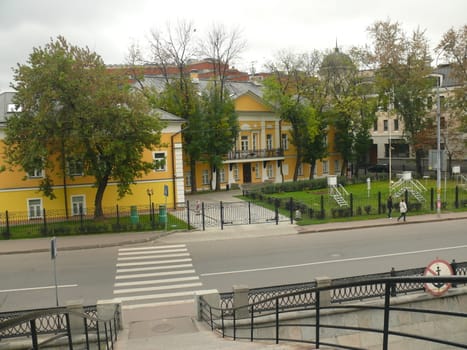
(350, 106)
(453, 46)
(73, 109)
(221, 127)
(402, 68)
(289, 90)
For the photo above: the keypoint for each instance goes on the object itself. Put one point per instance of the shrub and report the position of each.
(367, 209)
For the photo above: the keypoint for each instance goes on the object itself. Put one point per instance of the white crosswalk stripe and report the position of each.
(155, 275)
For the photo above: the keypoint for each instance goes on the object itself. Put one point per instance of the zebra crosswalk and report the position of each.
(156, 275)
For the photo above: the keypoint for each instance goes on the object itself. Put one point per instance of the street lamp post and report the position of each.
(150, 192)
(438, 146)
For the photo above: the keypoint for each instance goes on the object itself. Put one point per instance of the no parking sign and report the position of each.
(438, 267)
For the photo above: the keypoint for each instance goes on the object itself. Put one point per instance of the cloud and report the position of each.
(109, 26)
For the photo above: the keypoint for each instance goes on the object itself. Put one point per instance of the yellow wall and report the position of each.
(15, 190)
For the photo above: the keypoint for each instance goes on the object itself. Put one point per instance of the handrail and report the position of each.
(222, 319)
(111, 326)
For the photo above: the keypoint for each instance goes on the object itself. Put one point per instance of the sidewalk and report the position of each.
(174, 326)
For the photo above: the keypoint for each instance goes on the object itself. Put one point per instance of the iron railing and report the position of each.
(229, 323)
(263, 297)
(47, 326)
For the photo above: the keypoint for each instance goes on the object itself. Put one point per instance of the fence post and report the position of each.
(81, 218)
(322, 207)
(45, 221)
(222, 216)
(118, 218)
(276, 210)
(393, 287)
(379, 202)
(454, 271)
(249, 212)
(351, 204)
(203, 218)
(188, 214)
(7, 219)
(387, 299)
(432, 196)
(317, 316)
(291, 207)
(456, 201)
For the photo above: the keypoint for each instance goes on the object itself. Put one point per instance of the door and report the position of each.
(246, 173)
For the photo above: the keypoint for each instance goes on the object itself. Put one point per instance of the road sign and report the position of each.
(438, 267)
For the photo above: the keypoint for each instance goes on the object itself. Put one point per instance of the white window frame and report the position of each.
(188, 179)
(205, 177)
(285, 142)
(269, 171)
(325, 167)
(35, 210)
(156, 157)
(255, 141)
(75, 201)
(36, 174)
(222, 175)
(268, 141)
(235, 172)
(244, 143)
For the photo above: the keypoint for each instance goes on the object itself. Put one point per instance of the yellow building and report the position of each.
(263, 151)
(19, 192)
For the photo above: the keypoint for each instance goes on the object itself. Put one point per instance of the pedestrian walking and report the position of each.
(402, 209)
(389, 207)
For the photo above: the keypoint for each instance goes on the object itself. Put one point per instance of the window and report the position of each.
(11, 108)
(255, 142)
(375, 125)
(188, 179)
(235, 172)
(268, 141)
(160, 161)
(257, 170)
(285, 142)
(336, 166)
(269, 171)
(244, 143)
(35, 208)
(36, 173)
(78, 205)
(300, 170)
(222, 175)
(325, 167)
(75, 167)
(205, 177)
(385, 125)
(396, 124)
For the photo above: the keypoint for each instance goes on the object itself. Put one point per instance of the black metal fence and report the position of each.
(325, 205)
(28, 325)
(262, 297)
(116, 219)
(232, 322)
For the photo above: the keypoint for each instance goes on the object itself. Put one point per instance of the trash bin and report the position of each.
(162, 214)
(134, 218)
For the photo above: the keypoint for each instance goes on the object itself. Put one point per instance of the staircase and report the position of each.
(338, 196)
(406, 183)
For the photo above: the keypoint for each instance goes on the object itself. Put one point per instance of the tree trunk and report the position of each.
(194, 188)
(312, 169)
(102, 185)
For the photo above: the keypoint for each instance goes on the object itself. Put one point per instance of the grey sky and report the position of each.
(109, 26)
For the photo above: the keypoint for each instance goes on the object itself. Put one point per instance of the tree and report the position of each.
(401, 70)
(73, 109)
(288, 90)
(453, 46)
(222, 47)
(221, 128)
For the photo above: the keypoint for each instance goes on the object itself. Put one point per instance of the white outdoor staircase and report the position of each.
(338, 196)
(406, 183)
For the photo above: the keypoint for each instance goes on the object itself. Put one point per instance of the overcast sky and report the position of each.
(109, 26)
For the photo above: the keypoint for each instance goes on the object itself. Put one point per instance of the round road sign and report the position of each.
(438, 267)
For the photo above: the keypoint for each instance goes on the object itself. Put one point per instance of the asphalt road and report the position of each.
(169, 270)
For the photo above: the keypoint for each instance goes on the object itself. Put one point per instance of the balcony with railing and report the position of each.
(261, 154)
